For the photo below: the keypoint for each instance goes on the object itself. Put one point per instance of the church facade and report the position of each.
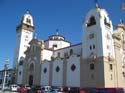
(98, 61)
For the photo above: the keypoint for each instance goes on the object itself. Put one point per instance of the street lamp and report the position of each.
(5, 73)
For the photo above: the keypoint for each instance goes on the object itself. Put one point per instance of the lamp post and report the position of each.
(5, 73)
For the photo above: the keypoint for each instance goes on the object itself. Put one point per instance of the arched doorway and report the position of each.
(31, 80)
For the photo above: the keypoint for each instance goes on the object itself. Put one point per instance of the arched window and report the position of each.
(92, 66)
(58, 54)
(28, 20)
(90, 47)
(93, 46)
(21, 62)
(71, 51)
(106, 23)
(32, 67)
(92, 21)
(66, 55)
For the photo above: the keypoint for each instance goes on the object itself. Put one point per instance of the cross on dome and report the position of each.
(96, 3)
(57, 32)
(27, 12)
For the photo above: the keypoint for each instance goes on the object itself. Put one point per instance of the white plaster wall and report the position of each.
(100, 31)
(46, 54)
(20, 77)
(22, 41)
(45, 76)
(57, 77)
(22, 44)
(76, 50)
(60, 44)
(73, 77)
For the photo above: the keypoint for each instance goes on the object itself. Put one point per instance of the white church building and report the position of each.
(98, 61)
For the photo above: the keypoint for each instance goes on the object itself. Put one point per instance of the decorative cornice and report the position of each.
(26, 27)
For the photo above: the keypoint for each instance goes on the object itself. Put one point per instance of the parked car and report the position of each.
(35, 89)
(56, 91)
(27, 87)
(46, 88)
(13, 87)
(22, 89)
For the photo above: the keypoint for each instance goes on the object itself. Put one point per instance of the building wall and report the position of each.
(45, 69)
(100, 66)
(57, 72)
(24, 34)
(92, 77)
(20, 75)
(33, 56)
(46, 54)
(60, 44)
(119, 53)
(73, 71)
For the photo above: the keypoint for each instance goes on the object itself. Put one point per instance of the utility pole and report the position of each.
(5, 73)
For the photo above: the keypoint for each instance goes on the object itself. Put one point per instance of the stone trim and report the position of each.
(26, 27)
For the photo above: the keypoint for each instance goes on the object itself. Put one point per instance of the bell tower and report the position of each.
(98, 49)
(97, 34)
(24, 34)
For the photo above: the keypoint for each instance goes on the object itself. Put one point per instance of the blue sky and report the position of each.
(49, 15)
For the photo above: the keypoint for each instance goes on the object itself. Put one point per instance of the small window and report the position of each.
(93, 46)
(28, 20)
(92, 21)
(21, 62)
(57, 69)
(91, 36)
(65, 54)
(58, 54)
(20, 73)
(73, 67)
(55, 45)
(71, 51)
(92, 76)
(123, 74)
(111, 67)
(106, 23)
(92, 67)
(111, 76)
(90, 47)
(45, 70)
(32, 67)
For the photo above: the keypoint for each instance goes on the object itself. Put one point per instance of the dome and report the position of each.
(56, 37)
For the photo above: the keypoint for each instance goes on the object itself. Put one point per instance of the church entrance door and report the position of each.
(31, 80)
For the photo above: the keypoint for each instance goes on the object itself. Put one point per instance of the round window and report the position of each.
(45, 70)
(73, 67)
(57, 69)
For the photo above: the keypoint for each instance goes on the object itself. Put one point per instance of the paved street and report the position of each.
(7, 92)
